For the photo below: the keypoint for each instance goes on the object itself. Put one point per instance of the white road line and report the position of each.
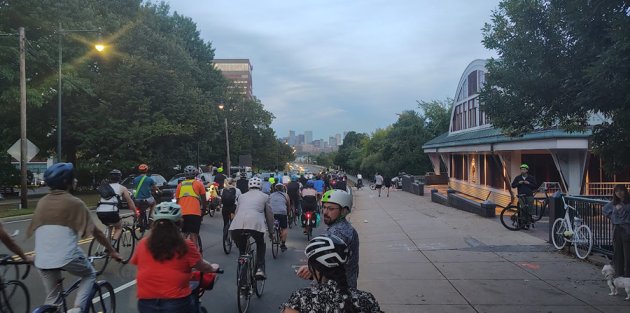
(17, 221)
(116, 290)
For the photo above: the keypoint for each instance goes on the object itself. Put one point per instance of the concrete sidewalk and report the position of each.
(419, 256)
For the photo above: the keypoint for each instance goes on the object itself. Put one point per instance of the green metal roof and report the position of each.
(493, 135)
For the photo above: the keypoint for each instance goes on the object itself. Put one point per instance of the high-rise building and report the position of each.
(308, 137)
(332, 141)
(300, 140)
(338, 139)
(317, 143)
(292, 139)
(239, 72)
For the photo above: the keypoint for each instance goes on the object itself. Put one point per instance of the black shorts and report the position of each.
(282, 220)
(191, 224)
(108, 218)
(378, 187)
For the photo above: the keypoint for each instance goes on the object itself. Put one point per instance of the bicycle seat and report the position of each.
(126, 215)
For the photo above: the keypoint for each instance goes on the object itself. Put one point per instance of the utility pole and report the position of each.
(23, 161)
(227, 148)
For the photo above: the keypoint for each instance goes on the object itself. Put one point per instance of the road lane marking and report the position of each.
(116, 290)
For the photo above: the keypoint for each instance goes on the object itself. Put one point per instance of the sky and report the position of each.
(341, 65)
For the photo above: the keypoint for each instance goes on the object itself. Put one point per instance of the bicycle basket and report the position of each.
(207, 280)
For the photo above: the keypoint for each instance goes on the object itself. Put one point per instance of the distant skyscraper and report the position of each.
(332, 141)
(308, 137)
(239, 72)
(292, 138)
(300, 140)
(317, 143)
(338, 139)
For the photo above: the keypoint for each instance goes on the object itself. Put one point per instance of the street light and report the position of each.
(227, 141)
(99, 47)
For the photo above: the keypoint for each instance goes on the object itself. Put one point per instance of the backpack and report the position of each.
(107, 192)
(228, 196)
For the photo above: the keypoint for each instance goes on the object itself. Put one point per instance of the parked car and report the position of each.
(128, 183)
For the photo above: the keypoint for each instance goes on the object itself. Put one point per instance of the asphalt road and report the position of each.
(280, 283)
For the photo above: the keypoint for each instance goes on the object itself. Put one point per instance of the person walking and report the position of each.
(378, 182)
(618, 211)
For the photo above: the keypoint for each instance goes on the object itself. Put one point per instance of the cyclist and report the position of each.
(145, 187)
(191, 196)
(220, 179)
(241, 183)
(378, 182)
(303, 180)
(359, 181)
(319, 185)
(280, 204)
(266, 185)
(165, 260)
(526, 185)
(293, 190)
(212, 195)
(337, 204)
(254, 215)
(229, 199)
(309, 202)
(59, 221)
(11, 245)
(327, 256)
(109, 204)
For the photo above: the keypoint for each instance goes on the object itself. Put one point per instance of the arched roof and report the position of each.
(462, 86)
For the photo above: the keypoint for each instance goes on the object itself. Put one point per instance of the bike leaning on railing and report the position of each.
(571, 229)
(14, 296)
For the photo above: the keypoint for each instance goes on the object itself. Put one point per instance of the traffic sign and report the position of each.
(31, 150)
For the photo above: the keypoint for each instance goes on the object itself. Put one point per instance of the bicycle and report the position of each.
(141, 222)
(275, 242)
(125, 245)
(227, 237)
(515, 217)
(99, 295)
(290, 216)
(200, 285)
(199, 244)
(246, 282)
(568, 229)
(14, 296)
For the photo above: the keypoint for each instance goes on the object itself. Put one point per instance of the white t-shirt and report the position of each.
(378, 179)
(359, 176)
(56, 246)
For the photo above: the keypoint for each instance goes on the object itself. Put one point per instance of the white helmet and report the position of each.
(254, 182)
(190, 171)
(167, 211)
(338, 196)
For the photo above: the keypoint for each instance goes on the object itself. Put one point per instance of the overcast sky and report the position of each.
(335, 65)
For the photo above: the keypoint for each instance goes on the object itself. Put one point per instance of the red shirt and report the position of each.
(164, 280)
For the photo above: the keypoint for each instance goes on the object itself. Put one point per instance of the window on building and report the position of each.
(494, 172)
(472, 83)
(457, 166)
(482, 169)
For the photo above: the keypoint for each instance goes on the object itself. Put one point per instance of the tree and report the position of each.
(561, 61)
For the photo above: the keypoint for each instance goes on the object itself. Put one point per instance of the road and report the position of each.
(280, 283)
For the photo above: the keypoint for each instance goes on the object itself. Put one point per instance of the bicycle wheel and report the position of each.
(126, 244)
(138, 226)
(19, 301)
(200, 245)
(243, 285)
(583, 241)
(540, 210)
(259, 284)
(511, 218)
(290, 218)
(557, 233)
(275, 244)
(227, 240)
(98, 256)
(103, 298)
(9, 272)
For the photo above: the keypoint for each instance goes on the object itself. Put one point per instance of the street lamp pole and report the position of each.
(99, 47)
(227, 141)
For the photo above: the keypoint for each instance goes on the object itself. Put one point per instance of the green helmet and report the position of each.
(525, 166)
(220, 169)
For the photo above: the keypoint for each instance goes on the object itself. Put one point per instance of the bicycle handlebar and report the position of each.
(8, 260)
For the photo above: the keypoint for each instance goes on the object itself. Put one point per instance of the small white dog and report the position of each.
(620, 282)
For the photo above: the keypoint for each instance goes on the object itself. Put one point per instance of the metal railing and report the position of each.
(603, 189)
(590, 210)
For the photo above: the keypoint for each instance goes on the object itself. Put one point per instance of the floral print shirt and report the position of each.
(327, 298)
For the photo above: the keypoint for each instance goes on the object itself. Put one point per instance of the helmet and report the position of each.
(255, 182)
(115, 175)
(59, 176)
(167, 210)
(279, 187)
(143, 168)
(338, 196)
(525, 166)
(190, 171)
(326, 251)
(220, 170)
(272, 180)
(243, 175)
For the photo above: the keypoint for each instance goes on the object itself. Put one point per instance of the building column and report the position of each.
(571, 164)
(435, 161)
(446, 158)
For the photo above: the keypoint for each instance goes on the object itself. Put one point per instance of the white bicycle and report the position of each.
(575, 232)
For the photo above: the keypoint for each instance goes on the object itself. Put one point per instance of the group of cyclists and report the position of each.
(168, 255)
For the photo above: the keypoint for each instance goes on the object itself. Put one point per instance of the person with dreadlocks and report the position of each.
(330, 293)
